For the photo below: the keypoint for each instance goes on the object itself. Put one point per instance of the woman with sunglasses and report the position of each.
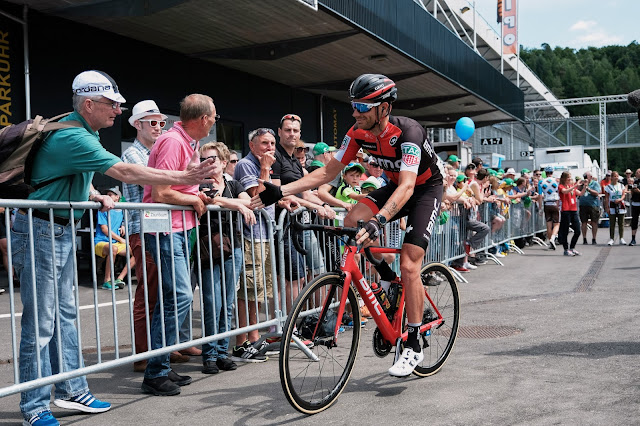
(301, 150)
(231, 165)
(228, 194)
(402, 148)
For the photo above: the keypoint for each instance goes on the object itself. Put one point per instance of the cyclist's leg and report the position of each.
(421, 220)
(360, 211)
(370, 205)
(410, 263)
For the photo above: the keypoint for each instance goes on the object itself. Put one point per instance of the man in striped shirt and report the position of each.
(148, 121)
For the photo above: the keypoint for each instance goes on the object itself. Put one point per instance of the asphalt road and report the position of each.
(546, 339)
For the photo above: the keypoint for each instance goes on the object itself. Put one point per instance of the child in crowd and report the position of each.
(118, 243)
(349, 189)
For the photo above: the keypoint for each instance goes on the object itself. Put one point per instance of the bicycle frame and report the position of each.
(391, 331)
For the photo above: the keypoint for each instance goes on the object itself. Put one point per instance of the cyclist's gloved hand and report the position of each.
(271, 194)
(373, 229)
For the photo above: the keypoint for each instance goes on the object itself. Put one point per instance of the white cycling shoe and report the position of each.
(406, 363)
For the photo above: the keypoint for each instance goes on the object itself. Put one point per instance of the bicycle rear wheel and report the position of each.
(312, 385)
(440, 285)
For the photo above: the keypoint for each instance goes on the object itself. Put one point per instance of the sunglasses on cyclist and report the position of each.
(363, 106)
(213, 157)
(154, 123)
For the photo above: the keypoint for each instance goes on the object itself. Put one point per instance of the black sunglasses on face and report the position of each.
(300, 149)
(233, 161)
(213, 157)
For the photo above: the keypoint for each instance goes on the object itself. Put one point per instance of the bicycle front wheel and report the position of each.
(315, 363)
(441, 295)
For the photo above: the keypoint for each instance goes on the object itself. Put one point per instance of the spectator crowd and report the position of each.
(235, 244)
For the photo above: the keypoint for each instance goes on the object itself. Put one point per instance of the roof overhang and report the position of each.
(439, 78)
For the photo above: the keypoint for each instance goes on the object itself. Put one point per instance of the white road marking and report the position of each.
(82, 308)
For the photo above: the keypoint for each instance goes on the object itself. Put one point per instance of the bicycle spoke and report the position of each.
(312, 386)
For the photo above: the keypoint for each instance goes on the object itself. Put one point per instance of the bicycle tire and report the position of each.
(444, 294)
(310, 386)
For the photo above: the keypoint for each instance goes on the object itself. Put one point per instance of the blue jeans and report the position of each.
(158, 366)
(41, 293)
(216, 319)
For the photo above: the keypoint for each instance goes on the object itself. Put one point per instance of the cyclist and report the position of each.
(401, 146)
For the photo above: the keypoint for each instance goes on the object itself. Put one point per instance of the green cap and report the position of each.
(444, 217)
(492, 172)
(460, 178)
(371, 182)
(352, 166)
(320, 148)
(453, 158)
(525, 171)
(507, 182)
(501, 171)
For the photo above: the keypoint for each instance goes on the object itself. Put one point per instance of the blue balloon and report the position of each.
(465, 128)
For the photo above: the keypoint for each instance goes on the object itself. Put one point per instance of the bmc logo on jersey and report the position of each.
(345, 142)
(393, 140)
(410, 154)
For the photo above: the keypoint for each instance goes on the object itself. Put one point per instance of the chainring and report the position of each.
(381, 347)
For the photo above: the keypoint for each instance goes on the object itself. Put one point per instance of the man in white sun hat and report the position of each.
(63, 170)
(148, 122)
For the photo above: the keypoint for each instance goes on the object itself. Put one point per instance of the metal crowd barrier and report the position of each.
(112, 346)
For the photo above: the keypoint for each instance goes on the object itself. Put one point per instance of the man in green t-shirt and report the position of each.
(67, 162)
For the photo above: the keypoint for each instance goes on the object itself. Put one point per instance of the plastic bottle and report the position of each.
(395, 293)
(380, 294)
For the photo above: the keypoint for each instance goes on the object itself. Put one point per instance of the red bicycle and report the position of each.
(314, 377)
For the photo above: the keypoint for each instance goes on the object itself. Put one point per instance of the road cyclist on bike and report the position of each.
(401, 146)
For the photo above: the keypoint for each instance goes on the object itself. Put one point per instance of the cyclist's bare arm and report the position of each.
(402, 194)
(314, 179)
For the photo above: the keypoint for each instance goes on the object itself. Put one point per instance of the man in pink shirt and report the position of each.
(173, 151)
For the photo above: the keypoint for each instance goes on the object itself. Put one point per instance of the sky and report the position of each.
(571, 23)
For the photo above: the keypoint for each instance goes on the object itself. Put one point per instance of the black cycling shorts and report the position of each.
(421, 210)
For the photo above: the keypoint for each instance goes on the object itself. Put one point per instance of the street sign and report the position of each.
(491, 141)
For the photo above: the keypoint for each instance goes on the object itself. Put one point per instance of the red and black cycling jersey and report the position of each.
(402, 146)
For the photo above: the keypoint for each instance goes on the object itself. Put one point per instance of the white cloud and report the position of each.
(592, 34)
(583, 26)
(599, 38)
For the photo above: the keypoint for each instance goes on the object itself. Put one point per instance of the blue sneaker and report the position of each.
(86, 403)
(41, 419)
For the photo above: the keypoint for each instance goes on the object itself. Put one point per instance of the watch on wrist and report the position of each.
(381, 219)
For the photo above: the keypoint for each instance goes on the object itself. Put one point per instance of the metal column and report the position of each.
(604, 164)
